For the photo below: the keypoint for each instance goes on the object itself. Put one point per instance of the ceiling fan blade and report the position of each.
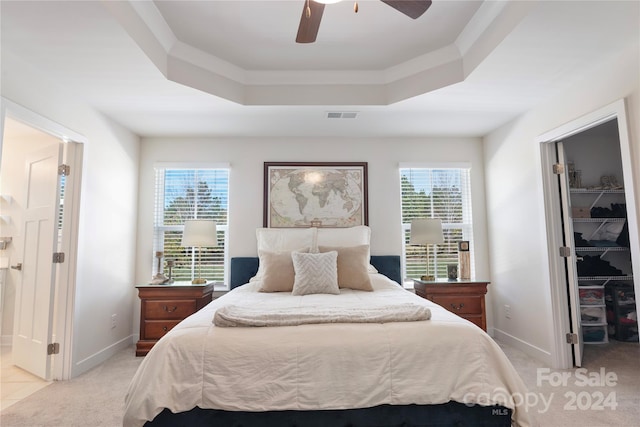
(308, 29)
(412, 8)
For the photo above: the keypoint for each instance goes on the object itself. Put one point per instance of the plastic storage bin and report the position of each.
(591, 296)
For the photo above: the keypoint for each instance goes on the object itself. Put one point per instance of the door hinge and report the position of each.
(572, 338)
(565, 251)
(64, 170)
(558, 168)
(53, 348)
(58, 257)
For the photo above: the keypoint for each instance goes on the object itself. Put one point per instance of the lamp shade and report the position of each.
(425, 231)
(199, 232)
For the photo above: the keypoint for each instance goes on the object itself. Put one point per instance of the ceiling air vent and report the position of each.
(342, 114)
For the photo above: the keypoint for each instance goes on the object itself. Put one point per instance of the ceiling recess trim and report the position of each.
(189, 66)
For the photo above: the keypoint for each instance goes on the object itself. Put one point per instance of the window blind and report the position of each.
(443, 193)
(183, 194)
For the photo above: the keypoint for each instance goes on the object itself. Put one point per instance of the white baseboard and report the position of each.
(527, 348)
(97, 358)
(6, 340)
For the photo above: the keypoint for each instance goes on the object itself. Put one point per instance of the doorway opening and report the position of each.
(592, 232)
(40, 285)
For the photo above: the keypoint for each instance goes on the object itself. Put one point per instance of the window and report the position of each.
(443, 193)
(183, 194)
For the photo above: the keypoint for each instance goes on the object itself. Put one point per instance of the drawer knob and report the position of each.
(164, 328)
(457, 307)
(169, 309)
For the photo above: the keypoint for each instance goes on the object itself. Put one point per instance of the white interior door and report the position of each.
(35, 287)
(572, 273)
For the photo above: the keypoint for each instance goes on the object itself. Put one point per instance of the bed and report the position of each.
(444, 371)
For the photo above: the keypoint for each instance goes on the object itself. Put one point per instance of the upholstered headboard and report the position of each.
(244, 268)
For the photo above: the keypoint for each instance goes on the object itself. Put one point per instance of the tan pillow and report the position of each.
(353, 263)
(277, 271)
(282, 240)
(345, 237)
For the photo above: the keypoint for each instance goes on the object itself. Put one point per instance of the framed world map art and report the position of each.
(315, 194)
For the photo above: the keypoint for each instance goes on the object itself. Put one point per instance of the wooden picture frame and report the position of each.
(315, 194)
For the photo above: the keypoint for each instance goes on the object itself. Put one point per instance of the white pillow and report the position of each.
(283, 240)
(351, 236)
(315, 273)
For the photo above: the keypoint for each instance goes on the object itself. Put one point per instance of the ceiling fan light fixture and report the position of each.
(313, 9)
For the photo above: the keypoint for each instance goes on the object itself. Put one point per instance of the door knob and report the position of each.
(17, 267)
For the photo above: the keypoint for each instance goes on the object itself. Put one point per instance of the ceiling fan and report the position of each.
(313, 9)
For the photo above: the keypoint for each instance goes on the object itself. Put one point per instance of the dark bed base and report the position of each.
(444, 415)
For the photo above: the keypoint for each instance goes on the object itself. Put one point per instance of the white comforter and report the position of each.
(322, 366)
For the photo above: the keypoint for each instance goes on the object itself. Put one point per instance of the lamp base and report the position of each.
(427, 278)
(199, 281)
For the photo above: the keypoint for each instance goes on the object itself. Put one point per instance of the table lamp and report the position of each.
(199, 233)
(426, 231)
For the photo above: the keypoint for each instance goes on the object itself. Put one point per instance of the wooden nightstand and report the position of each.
(462, 297)
(163, 306)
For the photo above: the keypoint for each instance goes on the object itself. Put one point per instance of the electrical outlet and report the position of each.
(507, 311)
(114, 321)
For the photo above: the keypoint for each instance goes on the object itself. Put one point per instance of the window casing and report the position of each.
(443, 193)
(191, 193)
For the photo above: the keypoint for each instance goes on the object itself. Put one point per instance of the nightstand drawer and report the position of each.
(460, 305)
(462, 297)
(156, 329)
(169, 309)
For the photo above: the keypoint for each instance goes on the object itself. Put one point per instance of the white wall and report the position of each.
(515, 207)
(108, 212)
(246, 157)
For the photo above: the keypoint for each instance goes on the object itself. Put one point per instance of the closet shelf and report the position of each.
(601, 248)
(590, 191)
(600, 278)
(599, 219)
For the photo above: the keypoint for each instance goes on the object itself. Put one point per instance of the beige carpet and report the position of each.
(96, 397)
(578, 400)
